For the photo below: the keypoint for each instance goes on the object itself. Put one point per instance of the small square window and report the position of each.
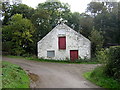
(50, 54)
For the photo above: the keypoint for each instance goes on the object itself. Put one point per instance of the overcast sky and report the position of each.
(76, 5)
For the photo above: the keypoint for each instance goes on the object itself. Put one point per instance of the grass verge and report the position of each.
(14, 76)
(54, 61)
(97, 77)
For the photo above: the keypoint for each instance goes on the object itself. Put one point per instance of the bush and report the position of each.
(101, 56)
(113, 64)
(98, 77)
(111, 61)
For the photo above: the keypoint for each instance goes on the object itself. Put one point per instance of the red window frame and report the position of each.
(62, 42)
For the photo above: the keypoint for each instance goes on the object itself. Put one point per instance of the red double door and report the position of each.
(73, 55)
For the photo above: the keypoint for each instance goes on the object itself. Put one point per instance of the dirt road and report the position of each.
(55, 75)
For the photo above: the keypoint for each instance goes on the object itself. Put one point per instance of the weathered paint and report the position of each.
(74, 41)
(62, 42)
(73, 55)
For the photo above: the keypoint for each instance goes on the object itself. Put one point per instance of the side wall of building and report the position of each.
(74, 41)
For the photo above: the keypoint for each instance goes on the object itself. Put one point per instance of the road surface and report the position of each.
(55, 75)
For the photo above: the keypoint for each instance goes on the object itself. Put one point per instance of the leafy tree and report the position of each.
(95, 7)
(17, 35)
(41, 21)
(9, 10)
(23, 9)
(107, 22)
(56, 10)
(47, 16)
(6, 12)
(106, 19)
(73, 20)
(97, 41)
(86, 24)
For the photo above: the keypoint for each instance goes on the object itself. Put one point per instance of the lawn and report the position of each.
(97, 77)
(14, 76)
(55, 61)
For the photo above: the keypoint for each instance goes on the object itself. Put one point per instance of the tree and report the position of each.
(95, 7)
(41, 21)
(106, 19)
(86, 24)
(56, 10)
(107, 22)
(97, 41)
(9, 10)
(23, 9)
(17, 35)
(47, 16)
(73, 20)
(6, 12)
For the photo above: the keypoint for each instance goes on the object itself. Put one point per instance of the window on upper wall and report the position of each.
(62, 42)
(50, 54)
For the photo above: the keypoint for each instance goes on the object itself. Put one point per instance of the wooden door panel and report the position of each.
(73, 54)
(62, 43)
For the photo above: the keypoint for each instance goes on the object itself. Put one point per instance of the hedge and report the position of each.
(112, 67)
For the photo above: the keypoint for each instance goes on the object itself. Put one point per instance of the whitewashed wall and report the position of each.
(74, 41)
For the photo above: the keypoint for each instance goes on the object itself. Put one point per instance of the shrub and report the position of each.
(111, 61)
(101, 56)
(98, 77)
(85, 60)
(113, 64)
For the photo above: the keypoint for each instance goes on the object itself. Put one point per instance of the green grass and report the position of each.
(54, 61)
(14, 76)
(97, 77)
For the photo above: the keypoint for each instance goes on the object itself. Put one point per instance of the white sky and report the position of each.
(76, 5)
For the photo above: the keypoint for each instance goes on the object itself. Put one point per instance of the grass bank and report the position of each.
(97, 77)
(82, 61)
(14, 76)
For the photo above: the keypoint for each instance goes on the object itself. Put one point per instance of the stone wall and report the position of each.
(74, 41)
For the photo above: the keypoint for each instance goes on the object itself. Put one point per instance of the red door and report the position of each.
(73, 55)
(62, 42)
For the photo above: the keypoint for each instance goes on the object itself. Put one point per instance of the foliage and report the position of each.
(98, 77)
(14, 76)
(6, 12)
(86, 60)
(17, 34)
(108, 24)
(110, 58)
(9, 10)
(102, 56)
(23, 9)
(73, 20)
(112, 68)
(86, 24)
(47, 16)
(100, 23)
(106, 19)
(41, 21)
(97, 40)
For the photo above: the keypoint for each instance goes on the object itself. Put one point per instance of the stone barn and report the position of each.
(64, 43)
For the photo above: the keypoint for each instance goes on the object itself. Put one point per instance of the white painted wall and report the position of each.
(74, 41)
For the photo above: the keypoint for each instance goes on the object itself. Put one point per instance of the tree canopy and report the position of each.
(26, 26)
(17, 35)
